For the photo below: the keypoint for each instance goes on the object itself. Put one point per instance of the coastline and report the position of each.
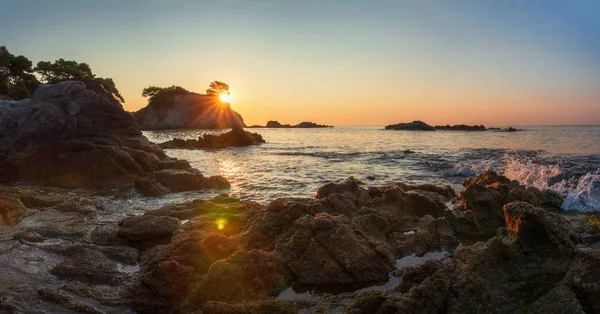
(186, 256)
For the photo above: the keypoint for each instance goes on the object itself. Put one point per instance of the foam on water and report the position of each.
(296, 162)
(581, 192)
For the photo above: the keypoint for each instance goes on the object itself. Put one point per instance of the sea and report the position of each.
(296, 162)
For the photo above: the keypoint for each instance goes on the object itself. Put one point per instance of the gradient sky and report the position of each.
(503, 62)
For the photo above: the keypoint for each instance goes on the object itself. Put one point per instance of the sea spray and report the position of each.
(581, 192)
(584, 195)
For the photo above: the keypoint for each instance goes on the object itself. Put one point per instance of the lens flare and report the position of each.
(221, 223)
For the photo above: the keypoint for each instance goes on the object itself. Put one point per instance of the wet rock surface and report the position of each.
(73, 135)
(237, 137)
(352, 249)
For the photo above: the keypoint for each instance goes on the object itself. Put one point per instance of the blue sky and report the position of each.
(453, 61)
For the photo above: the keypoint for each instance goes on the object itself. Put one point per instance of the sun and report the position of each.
(225, 97)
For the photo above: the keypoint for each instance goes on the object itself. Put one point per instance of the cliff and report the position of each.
(188, 111)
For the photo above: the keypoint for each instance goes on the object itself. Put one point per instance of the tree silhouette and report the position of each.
(162, 98)
(62, 70)
(16, 75)
(217, 88)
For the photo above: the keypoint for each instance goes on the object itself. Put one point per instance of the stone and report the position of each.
(415, 275)
(242, 276)
(149, 229)
(324, 250)
(87, 265)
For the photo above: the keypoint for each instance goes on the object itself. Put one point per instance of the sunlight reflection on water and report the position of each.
(296, 162)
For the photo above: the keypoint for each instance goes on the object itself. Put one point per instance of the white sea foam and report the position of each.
(581, 194)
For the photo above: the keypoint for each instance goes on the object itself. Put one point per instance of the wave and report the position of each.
(578, 183)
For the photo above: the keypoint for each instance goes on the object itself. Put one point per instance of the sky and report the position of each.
(338, 62)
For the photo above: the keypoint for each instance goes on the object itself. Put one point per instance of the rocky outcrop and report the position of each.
(223, 255)
(480, 209)
(237, 137)
(411, 126)
(188, 111)
(509, 129)
(460, 127)
(72, 135)
(301, 125)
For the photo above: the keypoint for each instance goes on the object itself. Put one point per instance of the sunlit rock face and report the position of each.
(75, 135)
(188, 111)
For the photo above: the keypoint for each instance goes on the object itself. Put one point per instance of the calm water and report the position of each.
(296, 162)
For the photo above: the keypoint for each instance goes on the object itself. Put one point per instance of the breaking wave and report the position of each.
(576, 180)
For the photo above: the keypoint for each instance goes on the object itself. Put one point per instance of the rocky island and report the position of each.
(177, 108)
(460, 127)
(422, 126)
(411, 126)
(302, 125)
(237, 137)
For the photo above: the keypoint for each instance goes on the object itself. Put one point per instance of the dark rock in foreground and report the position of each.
(73, 136)
(237, 137)
(411, 126)
(460, 127)
(232, 256)
(302, 125)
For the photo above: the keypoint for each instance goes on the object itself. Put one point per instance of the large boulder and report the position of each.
(325, 251)
(75, 135)
(411, 126)
(479, 211)
(188, 111)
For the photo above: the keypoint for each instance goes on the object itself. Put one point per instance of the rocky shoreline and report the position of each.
(395, 248)
(72, 241)
(237, 137)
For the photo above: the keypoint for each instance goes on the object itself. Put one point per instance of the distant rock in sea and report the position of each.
(188, 111)
(74, 135)
(237, 137)
(460, 127)
(411, 126)
(509, 129)
(302, 125)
